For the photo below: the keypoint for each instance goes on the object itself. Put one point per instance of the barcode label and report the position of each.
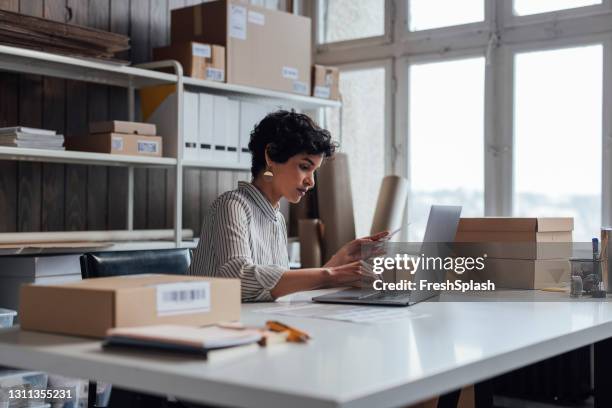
(117, 144)
(144, 146)
(290, 73)
(322, 92)
(215, 74)
(300, 87)
(200, 50)
(183, 297)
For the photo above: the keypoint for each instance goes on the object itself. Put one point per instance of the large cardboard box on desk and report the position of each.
(515, 238)
(523, 274)
(92, 306)
(203, 61)
(264, 48)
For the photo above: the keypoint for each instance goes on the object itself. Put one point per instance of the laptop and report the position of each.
(441, 228)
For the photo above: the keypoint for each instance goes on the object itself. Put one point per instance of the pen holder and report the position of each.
(586, 276)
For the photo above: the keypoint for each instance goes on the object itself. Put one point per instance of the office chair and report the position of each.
(173, 261)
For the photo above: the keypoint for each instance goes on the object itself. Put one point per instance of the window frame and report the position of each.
(320, 46)
(388, 132)
(508, 136)
(514, 20)
(498, 37)
(402, 140)
(403, 32)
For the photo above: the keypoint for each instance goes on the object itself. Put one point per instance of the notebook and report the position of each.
(183, 339)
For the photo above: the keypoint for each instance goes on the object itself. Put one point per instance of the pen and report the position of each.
(595, 243)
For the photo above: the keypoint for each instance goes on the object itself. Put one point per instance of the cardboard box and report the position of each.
(204, 61)
(325, 82)
(92, 306)
(523, 274)
(119, 126)
(264, 48)
(515, 238)
(516, 224)
(117, 143)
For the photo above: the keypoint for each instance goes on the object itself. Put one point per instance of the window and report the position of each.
(428, 14)
(558, 136)
(446, 132)
(343, 20)
(526, 7)
(363, 138)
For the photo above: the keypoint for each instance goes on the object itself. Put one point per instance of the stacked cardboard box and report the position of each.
(521, 253)
(264, 48)
(203, 61)
(326, 82)
(119, 137)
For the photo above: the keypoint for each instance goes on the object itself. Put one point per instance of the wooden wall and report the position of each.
(52, 197)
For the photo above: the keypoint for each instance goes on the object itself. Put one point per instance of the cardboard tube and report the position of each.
(390, 205)
(310, 242)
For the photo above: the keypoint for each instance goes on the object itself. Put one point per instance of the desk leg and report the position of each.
(483, 394)
(603, 374)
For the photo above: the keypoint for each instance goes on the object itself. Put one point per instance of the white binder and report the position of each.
(190, 126)
(206, 129)
(232, 129)
(219, 128)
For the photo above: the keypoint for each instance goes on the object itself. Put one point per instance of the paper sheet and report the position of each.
(347, 313)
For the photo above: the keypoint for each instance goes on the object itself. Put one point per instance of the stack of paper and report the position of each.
(31, 138)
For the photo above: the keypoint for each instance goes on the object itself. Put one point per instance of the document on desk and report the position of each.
(347, 313)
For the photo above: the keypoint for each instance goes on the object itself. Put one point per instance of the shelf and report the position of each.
(252, 94)
(118, 246)
(72, 157)
(215, 165)
(81, 69)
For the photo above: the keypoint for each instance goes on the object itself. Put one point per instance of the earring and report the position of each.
(268, 174)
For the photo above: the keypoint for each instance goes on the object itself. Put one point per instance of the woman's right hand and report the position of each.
(350, 274)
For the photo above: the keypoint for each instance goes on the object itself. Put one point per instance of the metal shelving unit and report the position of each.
(131, 78)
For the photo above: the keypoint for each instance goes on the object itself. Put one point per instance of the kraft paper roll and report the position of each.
(310, 242)
(391, 203)
(335, 204)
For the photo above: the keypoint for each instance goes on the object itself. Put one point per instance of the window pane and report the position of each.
(446, 129)
(426, 14)
(525, 7)
(557, 132)
(342, 20)
(363, 138)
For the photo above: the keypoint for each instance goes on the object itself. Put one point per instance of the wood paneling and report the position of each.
(47, 196)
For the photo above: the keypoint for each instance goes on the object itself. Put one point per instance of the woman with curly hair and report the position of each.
(244, 234)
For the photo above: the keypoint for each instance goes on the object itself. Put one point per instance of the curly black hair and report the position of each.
(286, 134)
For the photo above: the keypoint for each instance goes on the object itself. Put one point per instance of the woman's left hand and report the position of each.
(351, 251)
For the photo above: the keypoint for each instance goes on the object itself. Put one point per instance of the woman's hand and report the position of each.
(351, 251)
(351, 274)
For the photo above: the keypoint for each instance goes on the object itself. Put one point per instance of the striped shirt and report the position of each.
(243, 236)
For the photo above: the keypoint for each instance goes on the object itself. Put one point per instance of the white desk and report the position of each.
(438, 347)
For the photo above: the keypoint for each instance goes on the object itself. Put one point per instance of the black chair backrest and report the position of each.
(173, 261)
